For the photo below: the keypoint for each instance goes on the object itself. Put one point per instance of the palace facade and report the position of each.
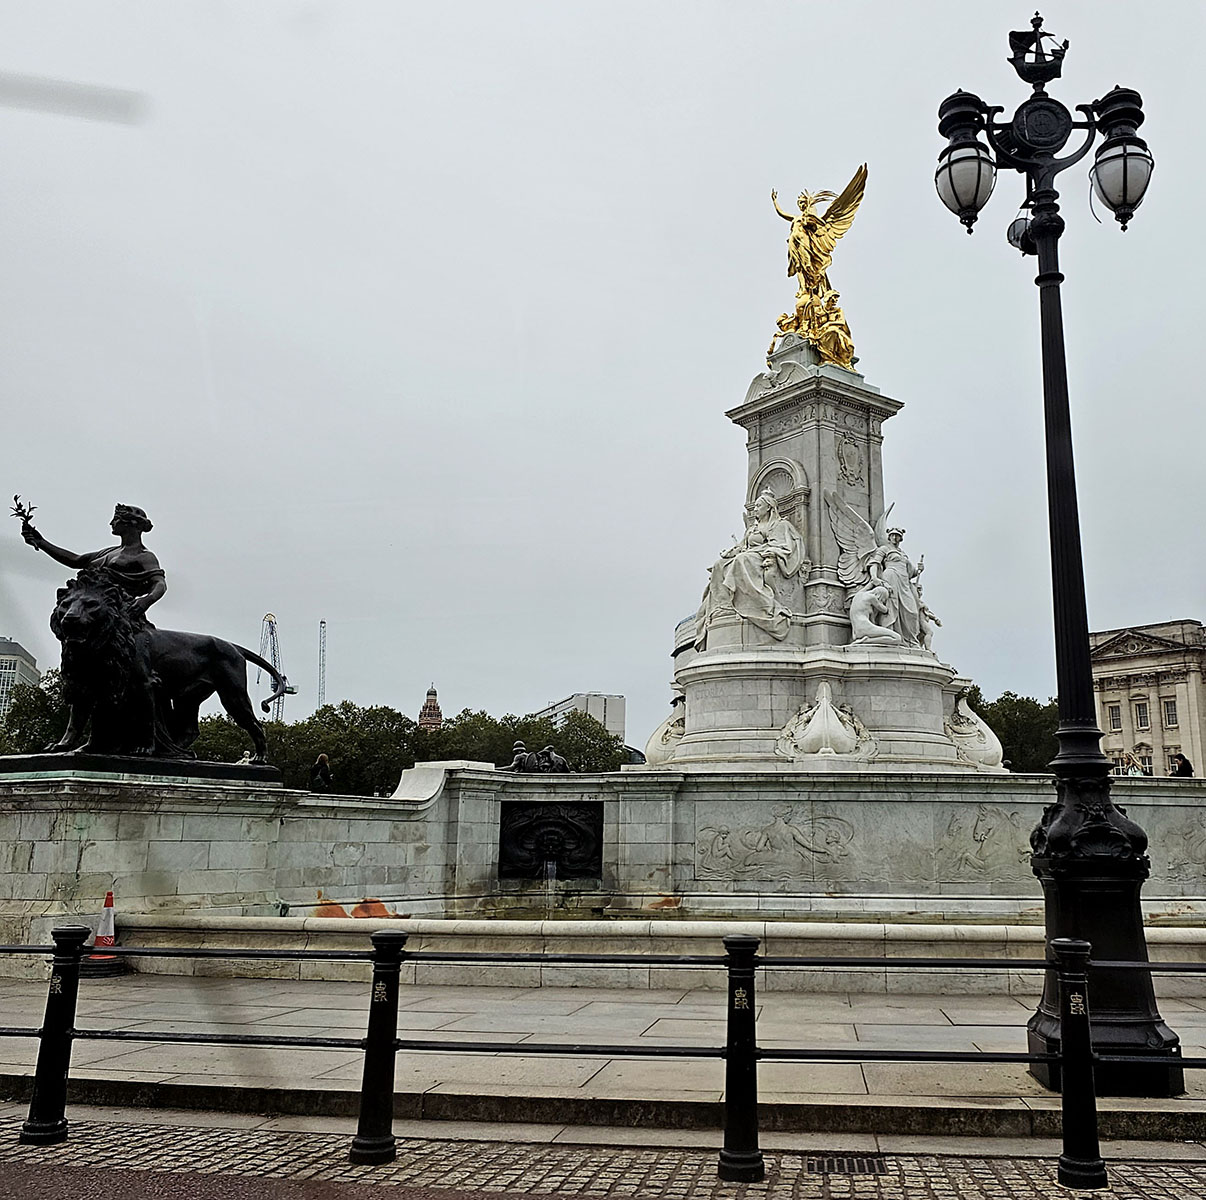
(1148, 683)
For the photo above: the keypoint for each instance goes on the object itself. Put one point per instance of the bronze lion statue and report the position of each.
(133, 689)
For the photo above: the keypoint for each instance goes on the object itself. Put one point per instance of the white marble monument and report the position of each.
(812, 646)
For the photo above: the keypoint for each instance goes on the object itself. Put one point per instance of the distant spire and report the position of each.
(430, 716)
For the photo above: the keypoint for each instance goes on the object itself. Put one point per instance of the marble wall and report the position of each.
(937, 847)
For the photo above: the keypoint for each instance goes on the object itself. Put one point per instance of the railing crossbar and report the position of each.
(869, 1055)
(1151, 1060)
(19, 1031)
(1157, 968)
(949, 964)
(220, 952)
(630, 960)
(554, 1048)
(217, 1039)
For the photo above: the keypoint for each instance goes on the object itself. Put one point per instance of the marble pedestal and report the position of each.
(741, 704)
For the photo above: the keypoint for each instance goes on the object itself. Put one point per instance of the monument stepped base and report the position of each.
(780, 938)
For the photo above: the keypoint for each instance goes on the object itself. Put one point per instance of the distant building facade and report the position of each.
(1151, 698)
(17, 666)
(607, 710)
(430, 716)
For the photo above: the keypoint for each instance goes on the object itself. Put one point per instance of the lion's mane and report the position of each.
(96, 664)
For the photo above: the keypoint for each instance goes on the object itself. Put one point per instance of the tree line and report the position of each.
(369, 747)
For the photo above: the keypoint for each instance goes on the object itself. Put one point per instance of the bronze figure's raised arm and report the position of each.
(129, 563)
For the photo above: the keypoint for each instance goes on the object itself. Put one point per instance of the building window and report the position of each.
(1117, 767)
(1170, 714)
(1172, 766)
(1114, 715)
(1142, 718)
(1145, 761)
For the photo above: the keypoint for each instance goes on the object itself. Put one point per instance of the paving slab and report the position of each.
(951, 1079)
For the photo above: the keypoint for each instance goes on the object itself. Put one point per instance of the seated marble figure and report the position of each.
(746, 578)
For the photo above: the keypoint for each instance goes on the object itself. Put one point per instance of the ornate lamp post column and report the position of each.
(1090, 859)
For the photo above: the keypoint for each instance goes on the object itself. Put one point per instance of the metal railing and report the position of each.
(740, 1159)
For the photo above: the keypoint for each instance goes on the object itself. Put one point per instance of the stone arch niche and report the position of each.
(788, 483)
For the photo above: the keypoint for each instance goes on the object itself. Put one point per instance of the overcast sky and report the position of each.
(423, 318)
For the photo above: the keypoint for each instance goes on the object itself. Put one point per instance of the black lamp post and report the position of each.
(1090, 859)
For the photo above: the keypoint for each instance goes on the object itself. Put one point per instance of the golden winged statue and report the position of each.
(810, 245)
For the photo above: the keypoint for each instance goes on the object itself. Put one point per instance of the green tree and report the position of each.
(479, 737)
(475, 736)
(368, 748)
(587, 745)
(1025, 726)
(36, 718)
(219, 739)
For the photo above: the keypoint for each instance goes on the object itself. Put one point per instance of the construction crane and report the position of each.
(270, 648)
(322, 663)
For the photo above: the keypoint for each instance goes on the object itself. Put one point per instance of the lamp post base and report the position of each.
(1092, 861)
(1114, 1079)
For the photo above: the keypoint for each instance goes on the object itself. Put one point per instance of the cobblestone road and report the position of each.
(115, 1161)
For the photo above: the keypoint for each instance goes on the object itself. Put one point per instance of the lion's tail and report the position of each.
(279, 682)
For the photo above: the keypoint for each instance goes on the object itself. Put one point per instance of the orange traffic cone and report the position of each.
(100, 964)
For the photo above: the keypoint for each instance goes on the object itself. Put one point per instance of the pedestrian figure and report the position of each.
(1181, 765)
(320, 775)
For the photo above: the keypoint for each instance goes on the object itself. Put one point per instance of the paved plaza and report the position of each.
(852, 1097)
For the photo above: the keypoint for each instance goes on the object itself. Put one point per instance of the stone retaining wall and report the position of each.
(874, 848)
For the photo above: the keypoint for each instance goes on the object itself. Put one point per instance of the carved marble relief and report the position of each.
(784, 848)
(850, 459)
(780, 423)
(991, 844)
(974, 741)
(821, 728)
(826, 598)
(778, 481)
(1186, 843)
(665, 738)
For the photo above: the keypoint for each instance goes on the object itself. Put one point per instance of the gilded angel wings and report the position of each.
(812, 239)
(856, 538)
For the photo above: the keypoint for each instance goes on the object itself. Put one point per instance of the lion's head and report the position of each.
(96, 622)
(93, 610)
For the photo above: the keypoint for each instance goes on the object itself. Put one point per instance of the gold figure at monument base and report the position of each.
(810, 243)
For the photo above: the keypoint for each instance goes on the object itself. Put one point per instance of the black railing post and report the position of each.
(374, 1140)
(47, 1120)
(741, 1159)
(1081, 1164)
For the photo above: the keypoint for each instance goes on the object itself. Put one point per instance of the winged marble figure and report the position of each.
(873, 558)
